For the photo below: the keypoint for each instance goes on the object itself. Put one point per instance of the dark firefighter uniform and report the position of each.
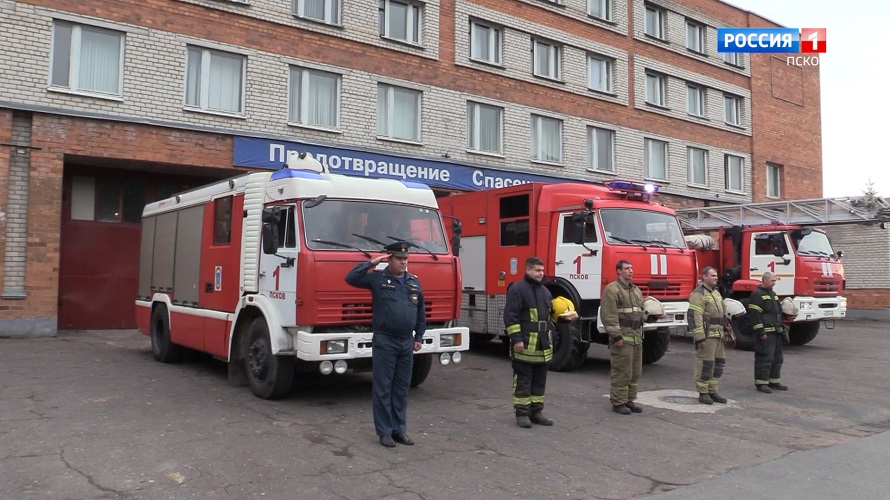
(766, 318)
(621, 309)
(527, 319)
(706, 320)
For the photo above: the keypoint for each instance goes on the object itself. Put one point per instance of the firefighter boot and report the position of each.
(539, 418)
(717, 398)
(705, 398)
(622, 409)
(633, 407)
(778, 386)
(764, 389)
(523, 421)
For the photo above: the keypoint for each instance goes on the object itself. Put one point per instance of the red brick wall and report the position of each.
(5, 138)
(867, 298)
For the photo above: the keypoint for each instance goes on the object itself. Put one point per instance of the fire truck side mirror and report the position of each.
(778, 241)
(578, 220)
(456, 230)
(839, 253)
(271, 216)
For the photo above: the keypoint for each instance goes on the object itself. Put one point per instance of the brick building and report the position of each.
(866, 268)
(108, 104)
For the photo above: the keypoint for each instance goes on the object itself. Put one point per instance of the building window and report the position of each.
(695, 37)
(600, 9)
(398, 112)
(655, 88)
(600, 149)
(325, 11)
(732, 107)
(733, 166)
(546, 139)
(599, 73)
(87, 59)
(546, 59)
(698, 166)
(214, 80)
(222, 221)
(314, 98)
(485, 127)
(656, 159)
(485, 43)
(732, 58)
(695, 100)
(773, 180)
(400, 21)
(655, 21)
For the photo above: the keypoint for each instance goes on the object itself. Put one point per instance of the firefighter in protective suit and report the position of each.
(706, 318)
(769, 333)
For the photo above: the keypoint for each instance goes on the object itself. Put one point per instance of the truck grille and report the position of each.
(339, 309)
(826, 286)
(662, 289)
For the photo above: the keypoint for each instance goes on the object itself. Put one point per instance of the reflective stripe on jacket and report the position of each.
(621, 309)
(765, 311)
(527, 320)
(705, 313)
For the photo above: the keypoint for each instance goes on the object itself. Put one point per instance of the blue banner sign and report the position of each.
(272, 154)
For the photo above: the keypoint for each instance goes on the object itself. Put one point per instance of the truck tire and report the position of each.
(270, 376)
(569, 352)
(161, 347)
(655, 345)
(421, 368)
(744, 334)
(803, 333)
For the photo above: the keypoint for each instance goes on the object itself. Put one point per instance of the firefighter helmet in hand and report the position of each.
(733, 309)
(789, 308)
(652, 309)
(560, 306)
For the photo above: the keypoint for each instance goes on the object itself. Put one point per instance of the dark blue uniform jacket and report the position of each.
(398, 307)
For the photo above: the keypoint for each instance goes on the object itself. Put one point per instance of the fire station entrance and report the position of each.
(99, 256)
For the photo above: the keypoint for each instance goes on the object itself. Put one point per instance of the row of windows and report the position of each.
(696, 98)
(696, 33)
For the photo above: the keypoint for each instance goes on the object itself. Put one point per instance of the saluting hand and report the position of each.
(379, 259)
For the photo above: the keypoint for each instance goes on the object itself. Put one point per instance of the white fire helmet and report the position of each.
(789, 308)
(733, 309)
(560, 306)
(652, 309)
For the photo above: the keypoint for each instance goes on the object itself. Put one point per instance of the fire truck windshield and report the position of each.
(370, 225)
(814, 243)
(622, 226)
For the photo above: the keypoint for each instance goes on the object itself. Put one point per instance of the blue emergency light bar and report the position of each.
(631, 186)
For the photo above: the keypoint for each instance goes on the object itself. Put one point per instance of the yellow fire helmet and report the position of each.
(560, 306)
(733, 309)
(789, 308)
(652, 309)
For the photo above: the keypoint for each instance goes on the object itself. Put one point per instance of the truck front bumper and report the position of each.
(352, 345)
(819, 308)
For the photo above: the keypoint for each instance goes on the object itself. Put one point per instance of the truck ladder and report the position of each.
(815, 212)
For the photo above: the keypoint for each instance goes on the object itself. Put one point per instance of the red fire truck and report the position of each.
(251, 270)
(744, 241)
(580, 231)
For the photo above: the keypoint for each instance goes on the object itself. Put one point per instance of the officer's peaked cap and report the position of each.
(397, 249)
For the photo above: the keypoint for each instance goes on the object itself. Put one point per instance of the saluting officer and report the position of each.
(707, 321)
(399, 322)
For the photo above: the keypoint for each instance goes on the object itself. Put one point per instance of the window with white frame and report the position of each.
(656, 159)
(545, 57)
(400, 21)
(214, 80)
(87, 58)
(697, 160)
(732, 171)
(599, 73)
(314, 98)
(601, 9)
(485, 131)
(600, 149)
(485, 43)
(773, 180)
(732, 58)
(695, 100)
(695, 36)
(655, 89)
(655, 21)
(546, 139)
(398, 112)
(732, 108)
(325, 11)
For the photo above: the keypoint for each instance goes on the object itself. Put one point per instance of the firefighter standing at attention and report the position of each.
(621, 310)
(766, 318)
(707, 321)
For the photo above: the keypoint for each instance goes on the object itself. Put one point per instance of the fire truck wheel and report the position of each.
(744, 334)
(421, 368)
(270, 376)
(655, 345)
(569, 352)
(163, 350)
(802, 333)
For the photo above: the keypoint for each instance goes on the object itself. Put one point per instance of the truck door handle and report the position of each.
(753, 269)
(559, 263)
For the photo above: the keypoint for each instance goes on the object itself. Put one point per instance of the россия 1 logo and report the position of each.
(772, 40)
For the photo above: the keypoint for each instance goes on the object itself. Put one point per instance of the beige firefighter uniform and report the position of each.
(706, 319)
(621, 309)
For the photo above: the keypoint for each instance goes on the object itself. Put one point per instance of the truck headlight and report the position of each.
(806, 306)
(333, 346)
(449, 340)
(843, 304)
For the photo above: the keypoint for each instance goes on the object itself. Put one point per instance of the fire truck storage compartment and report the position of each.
(171, 246)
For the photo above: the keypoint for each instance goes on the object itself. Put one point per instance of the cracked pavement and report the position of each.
(90, 414)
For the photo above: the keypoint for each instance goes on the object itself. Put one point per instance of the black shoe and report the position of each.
(705, 399)
(764, 389)
(717, 398)
(539, 419)
(403, 439)
(387, 441)
(622, 409)
(523, 421)
(633, 407)
(778, 387)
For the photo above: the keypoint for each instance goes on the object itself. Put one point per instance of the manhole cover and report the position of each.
(680, 400)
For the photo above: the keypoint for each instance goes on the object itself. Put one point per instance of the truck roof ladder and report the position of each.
(815, 212)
